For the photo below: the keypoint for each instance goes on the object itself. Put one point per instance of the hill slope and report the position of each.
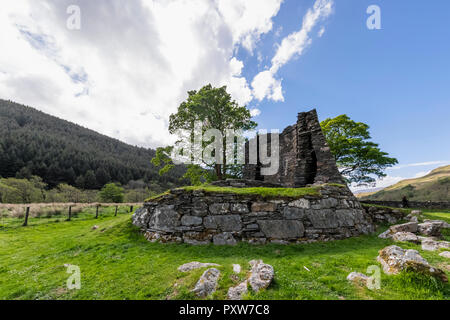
(32, 142)
(435, 186)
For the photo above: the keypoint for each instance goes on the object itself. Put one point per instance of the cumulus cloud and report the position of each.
(255, 112)
(265, 85)
(132, 62)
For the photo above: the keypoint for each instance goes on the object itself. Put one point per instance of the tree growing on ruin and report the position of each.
(359, 159)
(214, 109)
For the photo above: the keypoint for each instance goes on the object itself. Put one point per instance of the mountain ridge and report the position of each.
(60, 151)
(435, 186)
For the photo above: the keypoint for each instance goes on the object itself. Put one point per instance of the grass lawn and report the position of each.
(116, 262)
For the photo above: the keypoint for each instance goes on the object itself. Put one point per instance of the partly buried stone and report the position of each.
(237, 268)
(431, 228)
(405, 227)
(385, 235)
(282, 229)
(358, 278)
(395, 259)
(433, 245)
(225, 238)
(261, 275)
(443, 224)
(196, 265)
(405, 237)
(445, 254)
(236, 293)
(207, 283)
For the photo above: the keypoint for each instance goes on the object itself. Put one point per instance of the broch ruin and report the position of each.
(327, 210)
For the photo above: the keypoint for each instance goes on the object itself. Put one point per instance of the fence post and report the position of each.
(115, 214)
(131, 208)
(70, 213)
(27, 213)
(96, 212)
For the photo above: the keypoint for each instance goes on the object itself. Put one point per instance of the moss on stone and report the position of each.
(266, 193)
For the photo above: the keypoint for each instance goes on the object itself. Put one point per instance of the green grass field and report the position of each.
(116, 262)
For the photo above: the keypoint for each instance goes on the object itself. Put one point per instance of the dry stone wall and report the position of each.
(200, 217)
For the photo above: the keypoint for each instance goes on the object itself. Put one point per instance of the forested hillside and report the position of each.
(35, 143)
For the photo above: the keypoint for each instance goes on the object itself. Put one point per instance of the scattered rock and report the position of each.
(236, 293)
(414, 219)
(433, 245)
(443, 224)
(357, 277)
(445, 254)
(386, 235)
(405, 237)
(261, 275)
(207, 283)
(195, 265)
(405, 227)
(395, 259)
(236, 268)
(430, 228)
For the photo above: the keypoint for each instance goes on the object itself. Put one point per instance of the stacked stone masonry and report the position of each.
(304, 156)
(198, 217)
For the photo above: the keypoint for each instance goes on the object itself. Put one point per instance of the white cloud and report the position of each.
(131, 64)
(255, 112)
(264, 84)
(321, 32)
(420, 164)
(248, 19)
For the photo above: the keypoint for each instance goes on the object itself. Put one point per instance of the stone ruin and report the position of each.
(327, 211)
(305, 157)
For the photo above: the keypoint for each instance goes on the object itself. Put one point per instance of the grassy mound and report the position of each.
(116, 262)
(265, 193)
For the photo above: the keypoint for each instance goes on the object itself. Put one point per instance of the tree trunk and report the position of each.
(218, 169)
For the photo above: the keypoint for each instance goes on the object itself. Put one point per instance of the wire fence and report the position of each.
(22, 215)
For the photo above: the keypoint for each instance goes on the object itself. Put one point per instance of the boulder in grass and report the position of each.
(395, 260)
(195, 265)
(405, 227)
(236, 293)
(385, 235)
(261, 275)
(445, 254)
(358, 278)
(207, 283)
(405, 237)
(433, 245)
(430, 228)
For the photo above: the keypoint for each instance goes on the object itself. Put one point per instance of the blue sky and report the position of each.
(396, 79)
(128, 65)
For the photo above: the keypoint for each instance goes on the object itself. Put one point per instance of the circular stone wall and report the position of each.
(202, 216)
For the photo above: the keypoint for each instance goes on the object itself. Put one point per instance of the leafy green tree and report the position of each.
(112, 192)
(215, 109)
(19, 191)
(358, 159)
